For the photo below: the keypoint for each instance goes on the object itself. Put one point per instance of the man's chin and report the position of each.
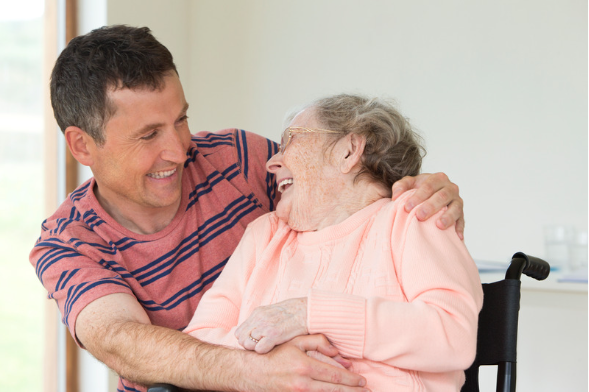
(165, 200)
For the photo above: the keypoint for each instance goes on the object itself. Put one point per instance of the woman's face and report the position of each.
(309, 182)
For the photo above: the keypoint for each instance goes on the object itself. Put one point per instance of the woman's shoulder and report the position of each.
(395, 213)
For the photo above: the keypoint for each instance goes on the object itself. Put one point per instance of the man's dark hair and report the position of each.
(110, 57)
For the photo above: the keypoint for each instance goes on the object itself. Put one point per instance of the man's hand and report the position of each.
(289, 368)
(273, 325)
(337, 360)
(435, 191)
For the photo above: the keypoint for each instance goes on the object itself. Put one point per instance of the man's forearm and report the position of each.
(147, 354)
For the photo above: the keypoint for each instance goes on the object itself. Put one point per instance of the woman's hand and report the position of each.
(275, 324)
(435, 191)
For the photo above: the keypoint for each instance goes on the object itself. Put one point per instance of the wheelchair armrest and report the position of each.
(162, 388)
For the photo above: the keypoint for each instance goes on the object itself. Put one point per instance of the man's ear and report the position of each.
(354, 148)
(81, 145)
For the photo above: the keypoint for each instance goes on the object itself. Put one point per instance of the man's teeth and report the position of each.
(283, 184)
(162, 174)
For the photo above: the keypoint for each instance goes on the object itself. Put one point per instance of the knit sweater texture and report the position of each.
(400, 298)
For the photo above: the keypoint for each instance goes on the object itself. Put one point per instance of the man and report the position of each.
(130, 252)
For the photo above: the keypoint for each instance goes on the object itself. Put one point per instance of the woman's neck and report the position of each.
(354, 198)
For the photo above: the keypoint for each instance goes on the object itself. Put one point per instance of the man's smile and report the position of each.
(162, 174)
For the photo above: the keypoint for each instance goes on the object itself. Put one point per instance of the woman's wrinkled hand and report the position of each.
(272, 325)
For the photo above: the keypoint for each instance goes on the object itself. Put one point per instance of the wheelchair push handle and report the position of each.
(531, 266)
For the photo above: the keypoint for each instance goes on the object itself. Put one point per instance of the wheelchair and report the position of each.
(498, 322)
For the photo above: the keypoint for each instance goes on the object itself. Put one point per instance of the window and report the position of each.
(21, 193)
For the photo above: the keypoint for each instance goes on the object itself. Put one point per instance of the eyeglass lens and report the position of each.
(285, 138)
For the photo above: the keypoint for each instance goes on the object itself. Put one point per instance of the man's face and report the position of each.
(138, 170)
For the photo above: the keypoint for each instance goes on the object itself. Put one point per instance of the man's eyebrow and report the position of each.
(184, 109)
(149, 127)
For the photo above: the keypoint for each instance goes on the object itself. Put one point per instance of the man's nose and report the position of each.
(175, 147)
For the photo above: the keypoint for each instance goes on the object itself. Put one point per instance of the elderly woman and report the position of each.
(397, 297)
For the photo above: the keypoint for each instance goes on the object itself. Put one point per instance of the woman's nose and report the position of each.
(275, 163)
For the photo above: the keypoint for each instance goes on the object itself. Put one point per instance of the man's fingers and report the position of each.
(454, 214)
(346, 363)
(328, 360)
(319, 386)
(324, 373)
(403, 185)
(432, 205)
(460, 228)
(424, 192)
(292, 369)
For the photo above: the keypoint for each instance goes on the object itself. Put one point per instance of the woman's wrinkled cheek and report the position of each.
(305, 172)
(308, 195)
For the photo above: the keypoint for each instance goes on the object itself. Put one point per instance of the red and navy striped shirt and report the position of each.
(84, 254)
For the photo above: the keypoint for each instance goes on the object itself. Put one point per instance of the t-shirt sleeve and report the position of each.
(69, 274)
(253, 151)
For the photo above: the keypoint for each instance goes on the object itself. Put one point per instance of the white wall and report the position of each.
(498, 89)
(169, 21)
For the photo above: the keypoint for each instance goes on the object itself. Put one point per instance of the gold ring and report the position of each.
(254, 339)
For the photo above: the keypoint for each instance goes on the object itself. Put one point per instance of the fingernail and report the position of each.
(362, 382)
(444, 221)
(421, 213)
(409, 206)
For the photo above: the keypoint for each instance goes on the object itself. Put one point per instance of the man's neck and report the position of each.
(140, 220)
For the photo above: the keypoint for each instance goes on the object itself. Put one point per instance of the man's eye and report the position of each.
(183, 119)
(149, 136)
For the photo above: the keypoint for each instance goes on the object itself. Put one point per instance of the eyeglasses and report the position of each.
(287, 134)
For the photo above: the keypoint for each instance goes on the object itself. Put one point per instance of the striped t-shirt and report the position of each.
(84, 254)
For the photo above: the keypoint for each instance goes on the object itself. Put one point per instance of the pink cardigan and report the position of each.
(398, 297)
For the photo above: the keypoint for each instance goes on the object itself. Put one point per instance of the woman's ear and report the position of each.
(354, 148)
(80, 144)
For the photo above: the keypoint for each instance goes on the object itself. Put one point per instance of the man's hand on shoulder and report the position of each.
(435, 191)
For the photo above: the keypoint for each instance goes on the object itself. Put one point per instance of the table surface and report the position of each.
(556, 281)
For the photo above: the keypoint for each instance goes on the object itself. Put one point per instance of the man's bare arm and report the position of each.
(117, 331)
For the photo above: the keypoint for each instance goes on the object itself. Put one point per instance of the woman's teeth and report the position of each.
(283, 184)
(162, 174)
